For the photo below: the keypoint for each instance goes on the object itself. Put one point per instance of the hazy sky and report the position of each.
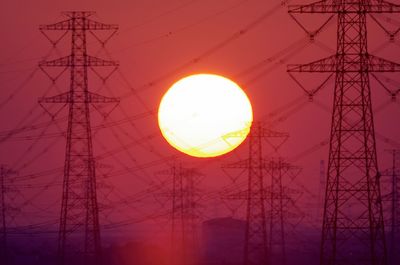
(159, 42)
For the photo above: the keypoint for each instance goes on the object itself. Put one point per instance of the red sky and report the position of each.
(156, 38)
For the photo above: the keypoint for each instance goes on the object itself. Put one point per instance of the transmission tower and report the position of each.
(4, 189)
(322, 185)
(353, 178)
(3, 231)
(79, 231)
(277, 198)
(255, 249)
(275, 216)
(256, 195)
(184, 197)
(394, 210)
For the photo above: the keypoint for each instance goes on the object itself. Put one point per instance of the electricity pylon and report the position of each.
(353, 177)
(322, 185)
(278, 198)
(184, 198)
(255, 249)
(394, 209)
(256, 240)
(79, 231)
(4, 189)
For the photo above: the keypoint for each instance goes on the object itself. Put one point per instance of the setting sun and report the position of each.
(199, 112)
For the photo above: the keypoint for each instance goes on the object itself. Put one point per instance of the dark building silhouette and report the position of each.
(223, 241)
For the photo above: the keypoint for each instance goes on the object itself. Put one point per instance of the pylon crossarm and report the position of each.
(68, 98)
(329, 6)
(59, 62)
(87, 25)
(379, 6)
(62, 25)
(263, 133)
(316, 7)
(83, 61)
(377, 64)
(328, 65)
(267, 133)
(239, 133)
(61, 98)
(80, 14)
(94, 61)
(96, 98)
(325, 65)
(94, 25)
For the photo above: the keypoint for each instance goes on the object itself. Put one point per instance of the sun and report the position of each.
(205, 115)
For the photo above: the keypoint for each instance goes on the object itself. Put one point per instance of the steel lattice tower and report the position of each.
(183, 220)
(255, 252)
(277, 198)
(353, 177)
(183, 230)
(276, 237)
(322, 185)
(3, 224)
(79, 231)
(394, 210)
(256, 195)
(4, 189)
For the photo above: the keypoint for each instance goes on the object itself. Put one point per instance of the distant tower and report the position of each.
(276, 169)
(256, 240)
(394, 210)
(4, 189)
(356, 236)
(184, 197)
(321, 189)
(79, 232)
(3, 224)
(255, 249)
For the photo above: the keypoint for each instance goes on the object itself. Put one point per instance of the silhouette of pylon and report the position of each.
(184, 198)
(356, 236)
(5, 188)
(256, 241)
(278, 198)
(79, 233)
(393, 197)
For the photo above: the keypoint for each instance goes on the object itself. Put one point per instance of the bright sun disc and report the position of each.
(205, 115)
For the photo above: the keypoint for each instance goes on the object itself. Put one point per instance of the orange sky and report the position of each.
(158, 43)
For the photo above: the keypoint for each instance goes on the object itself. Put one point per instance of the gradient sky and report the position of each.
(158, 43)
